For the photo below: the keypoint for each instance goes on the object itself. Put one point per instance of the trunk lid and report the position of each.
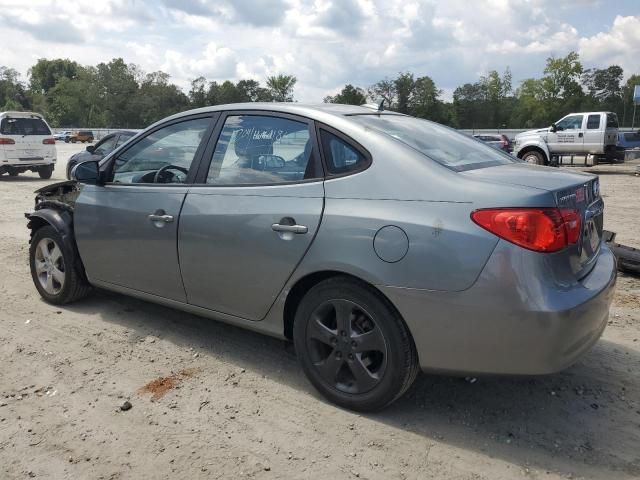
(574, 190)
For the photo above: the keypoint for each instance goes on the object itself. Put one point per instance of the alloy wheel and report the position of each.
(49, 265)
(347, 348)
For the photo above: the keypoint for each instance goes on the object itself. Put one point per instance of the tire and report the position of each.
(66, 140)
(45, 172)
(13, 173)
(390, 364)
(61, 270)
(70, 166)
(73, 140)
(534, 157)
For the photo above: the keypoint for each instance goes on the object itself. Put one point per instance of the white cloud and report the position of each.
(621, 45)
(324, 43)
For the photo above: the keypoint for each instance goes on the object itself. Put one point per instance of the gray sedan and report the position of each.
(380, 244)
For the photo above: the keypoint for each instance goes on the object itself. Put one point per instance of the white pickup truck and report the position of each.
(590, 134)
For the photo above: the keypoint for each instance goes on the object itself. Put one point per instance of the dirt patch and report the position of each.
(626, 299)
(159, 387)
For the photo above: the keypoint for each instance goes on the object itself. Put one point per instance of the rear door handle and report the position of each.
(277, 227)
(161, 218)
(580, 135)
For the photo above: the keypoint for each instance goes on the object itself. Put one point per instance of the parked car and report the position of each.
(500, 141)
(100, 149)
(81, 136)
(63, 136)
(381, 244)
(589, 133)
(26, 144)
(626, 141)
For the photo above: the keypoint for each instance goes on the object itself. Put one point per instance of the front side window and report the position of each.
(106, 146)
(256, 149)
(122, 139)
(441, 144)
(340, 156)
(163, 156)
(593, 122)
(572, 122)
(24, 126)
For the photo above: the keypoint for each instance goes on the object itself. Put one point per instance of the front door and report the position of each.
(246, 228)
(569, 135)
(127, 229)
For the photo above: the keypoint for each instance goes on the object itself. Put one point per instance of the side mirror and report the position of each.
(87, 172)
(553, 127)
(91, 148)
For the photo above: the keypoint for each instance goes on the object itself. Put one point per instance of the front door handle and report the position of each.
(277, 227)
(161, 218)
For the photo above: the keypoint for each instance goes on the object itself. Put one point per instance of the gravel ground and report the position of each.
(113, 387)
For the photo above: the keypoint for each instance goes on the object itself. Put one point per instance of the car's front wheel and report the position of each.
(353, 345)
(534, 157)
(54, 268)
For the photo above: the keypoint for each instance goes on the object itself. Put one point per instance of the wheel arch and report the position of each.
(62, 222)
(535, 148)
(307, 282)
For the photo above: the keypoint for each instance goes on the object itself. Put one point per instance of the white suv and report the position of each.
(26, 143)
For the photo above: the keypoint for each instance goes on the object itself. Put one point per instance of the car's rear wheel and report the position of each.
(13, 173)
(534, 157)
(54, 268)
(353, 346)
(45, 172)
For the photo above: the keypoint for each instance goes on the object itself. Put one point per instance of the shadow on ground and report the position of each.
(585, 419)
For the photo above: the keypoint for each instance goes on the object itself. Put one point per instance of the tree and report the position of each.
(251, 91)
(424, 100)
(384, 90)
(12, 91)
(157, 98)
(349, 95)
(404, 85)
(281, 87)
(198, 92)
(627, 100)
(45, 74)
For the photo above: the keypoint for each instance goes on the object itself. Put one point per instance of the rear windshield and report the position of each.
(612, 120)
(441, 144)
(23, 126)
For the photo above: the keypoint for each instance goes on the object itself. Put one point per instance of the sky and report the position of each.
(324, 43)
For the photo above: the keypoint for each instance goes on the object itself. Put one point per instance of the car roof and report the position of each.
(314, 111)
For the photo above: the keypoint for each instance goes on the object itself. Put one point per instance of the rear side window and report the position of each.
(24, 126)
(632, 137)
(593, 122)
(341, 157)
(441, 144)
(612, 120)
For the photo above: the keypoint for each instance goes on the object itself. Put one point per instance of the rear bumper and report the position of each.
(514, 320)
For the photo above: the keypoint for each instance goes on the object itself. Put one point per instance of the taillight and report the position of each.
(49, 141)
(7, 141)
(538, 229)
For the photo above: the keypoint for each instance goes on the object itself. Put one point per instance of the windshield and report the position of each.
(441, 144)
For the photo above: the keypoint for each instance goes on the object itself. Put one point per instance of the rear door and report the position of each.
(594, 133)
(127, 229)
(248, 224)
